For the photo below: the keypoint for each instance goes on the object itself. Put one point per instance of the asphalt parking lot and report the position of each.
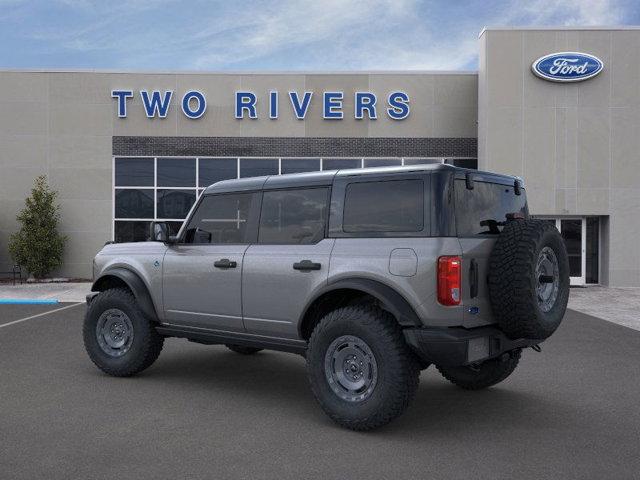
(572, 411)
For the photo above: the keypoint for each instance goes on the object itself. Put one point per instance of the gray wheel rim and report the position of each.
(351, 368)
(114, 332)
(547, 279)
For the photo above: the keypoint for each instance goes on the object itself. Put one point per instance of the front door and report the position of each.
(289, 261)
(202, 274)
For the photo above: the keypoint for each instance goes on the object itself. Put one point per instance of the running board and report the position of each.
(208, 337)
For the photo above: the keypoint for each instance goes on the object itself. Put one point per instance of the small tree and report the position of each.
(38, 246)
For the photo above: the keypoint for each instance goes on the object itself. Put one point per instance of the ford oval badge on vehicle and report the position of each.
(567, 66)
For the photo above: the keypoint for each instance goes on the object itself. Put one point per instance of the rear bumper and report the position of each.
(452, 347)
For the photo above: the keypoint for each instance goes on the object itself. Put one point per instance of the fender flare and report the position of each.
(390, 299)
(135, 284)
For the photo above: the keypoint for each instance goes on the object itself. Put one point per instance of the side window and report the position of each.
(386, 206)
(293, 216)
(220, 219)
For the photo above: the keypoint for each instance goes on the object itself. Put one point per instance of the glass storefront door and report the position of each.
(582, 239)
(572, 231)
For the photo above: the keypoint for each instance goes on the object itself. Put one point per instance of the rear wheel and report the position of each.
(242, 349)
(119, 339)
(486, 374)
(361, 372)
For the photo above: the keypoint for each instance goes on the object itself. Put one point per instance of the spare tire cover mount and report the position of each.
(548, 276)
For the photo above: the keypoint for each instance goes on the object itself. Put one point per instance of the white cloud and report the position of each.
(569, 12)
(348, 34)
(306, 34)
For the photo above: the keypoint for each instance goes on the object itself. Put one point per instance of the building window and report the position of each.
(382, 162)
(165, 188)
(174, 204)
(134, 172)
(299, 165)
(338, 163)
(422, 161)
(258, 167)
(212, 170)
(131, 231)
(176, 172)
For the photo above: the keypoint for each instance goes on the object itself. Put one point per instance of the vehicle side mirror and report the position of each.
(159, 232)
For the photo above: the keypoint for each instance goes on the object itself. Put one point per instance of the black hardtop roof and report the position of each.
(325, 178)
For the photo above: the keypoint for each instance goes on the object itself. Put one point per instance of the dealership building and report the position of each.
(123, 149)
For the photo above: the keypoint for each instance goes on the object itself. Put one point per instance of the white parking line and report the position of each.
(39, 315)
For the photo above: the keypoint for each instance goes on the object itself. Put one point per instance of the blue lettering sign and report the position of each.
(246, 101)
(200, 100)
(398, 105)
(122, 96)
(156, 105)
(300, 108)
(365, 101)
(332, 105)
(273, 105)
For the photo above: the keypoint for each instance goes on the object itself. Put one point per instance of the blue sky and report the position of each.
(274, 35)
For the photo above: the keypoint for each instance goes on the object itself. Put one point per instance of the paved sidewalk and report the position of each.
(617, 305)
(63, 292)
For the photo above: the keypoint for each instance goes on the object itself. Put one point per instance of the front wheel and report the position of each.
(361, 372)
(119, 339)
(486, 374)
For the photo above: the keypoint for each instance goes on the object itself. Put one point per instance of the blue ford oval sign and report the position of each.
(567, 66)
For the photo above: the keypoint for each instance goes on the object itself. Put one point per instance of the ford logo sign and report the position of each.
(567, 66)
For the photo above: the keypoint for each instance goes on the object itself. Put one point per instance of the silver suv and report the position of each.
(371, 274)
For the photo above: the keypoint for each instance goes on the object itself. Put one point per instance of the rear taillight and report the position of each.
(449, 280)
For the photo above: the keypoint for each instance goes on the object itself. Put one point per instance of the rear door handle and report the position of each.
(225, 263)
(306, 265)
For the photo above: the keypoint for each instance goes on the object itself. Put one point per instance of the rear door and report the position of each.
(480, 215)
(289, 261)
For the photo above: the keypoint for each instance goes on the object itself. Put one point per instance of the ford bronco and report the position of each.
(371, 274)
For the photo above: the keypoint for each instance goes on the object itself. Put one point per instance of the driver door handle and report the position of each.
(306, 265)
(225, 263)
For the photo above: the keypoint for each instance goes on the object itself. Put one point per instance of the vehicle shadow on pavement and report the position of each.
(277, 383)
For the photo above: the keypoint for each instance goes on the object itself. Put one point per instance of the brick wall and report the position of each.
(294, 146)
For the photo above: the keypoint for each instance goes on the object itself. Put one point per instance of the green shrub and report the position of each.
(38, 246)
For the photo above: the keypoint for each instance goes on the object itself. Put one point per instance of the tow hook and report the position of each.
(536, 348)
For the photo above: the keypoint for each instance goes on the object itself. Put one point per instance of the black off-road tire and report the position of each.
(242, 349)
(398, 370)
(513, 279)
(145, 345)
(485, 375)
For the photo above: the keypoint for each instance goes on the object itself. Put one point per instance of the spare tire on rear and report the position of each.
(529, 279)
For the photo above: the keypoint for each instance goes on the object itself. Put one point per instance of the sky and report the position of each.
(280, 35)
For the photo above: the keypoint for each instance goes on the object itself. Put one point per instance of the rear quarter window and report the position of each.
(384, 206)
(483, 210)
